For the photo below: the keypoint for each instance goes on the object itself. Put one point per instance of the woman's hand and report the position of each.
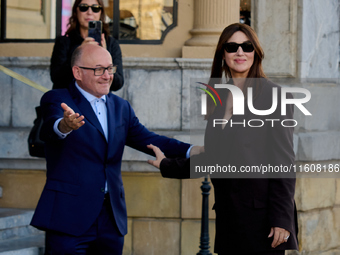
(90, 40)
(280, 236)
(103, 42)
(159, 156)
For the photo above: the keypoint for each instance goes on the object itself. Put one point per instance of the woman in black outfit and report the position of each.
(255, 214)
(82, 12)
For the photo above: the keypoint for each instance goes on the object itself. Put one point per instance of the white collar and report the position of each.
(89, 97)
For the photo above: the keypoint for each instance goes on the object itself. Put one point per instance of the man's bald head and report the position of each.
(76, 55)
(83, 51)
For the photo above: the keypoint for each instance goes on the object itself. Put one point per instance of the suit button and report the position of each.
(102, 190)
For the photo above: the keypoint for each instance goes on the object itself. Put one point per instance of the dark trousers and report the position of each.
(103, 238)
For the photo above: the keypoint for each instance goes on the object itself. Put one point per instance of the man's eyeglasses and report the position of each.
(85, 7)
(233, 47)
(99, 71)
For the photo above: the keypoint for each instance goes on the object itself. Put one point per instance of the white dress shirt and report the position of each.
(99, 107)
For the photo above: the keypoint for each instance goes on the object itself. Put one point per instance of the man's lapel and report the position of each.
(111, 124)
(85, 108)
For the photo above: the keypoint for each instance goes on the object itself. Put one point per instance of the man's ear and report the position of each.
(76, 72)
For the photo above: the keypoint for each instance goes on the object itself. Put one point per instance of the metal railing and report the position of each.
(204, 240)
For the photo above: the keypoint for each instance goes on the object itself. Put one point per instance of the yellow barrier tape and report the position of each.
(23, 79)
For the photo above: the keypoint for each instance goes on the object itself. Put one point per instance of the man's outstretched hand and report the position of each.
(71, 120)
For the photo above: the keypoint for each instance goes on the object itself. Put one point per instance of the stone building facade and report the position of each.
(301, 43)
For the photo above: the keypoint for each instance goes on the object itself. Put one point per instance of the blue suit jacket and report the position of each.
(78, 165)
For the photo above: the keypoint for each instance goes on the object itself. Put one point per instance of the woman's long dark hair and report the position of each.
(73, 22)
(219, 64)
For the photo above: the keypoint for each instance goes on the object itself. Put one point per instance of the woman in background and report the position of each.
(77, 33)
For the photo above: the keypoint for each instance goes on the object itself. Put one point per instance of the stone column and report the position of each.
(210, 18)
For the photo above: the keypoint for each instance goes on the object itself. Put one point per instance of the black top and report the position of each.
(248, 204)
(61, 71)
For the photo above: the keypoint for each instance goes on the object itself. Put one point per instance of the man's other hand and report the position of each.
(195, 150)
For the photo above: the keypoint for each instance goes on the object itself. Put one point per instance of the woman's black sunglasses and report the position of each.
(85, 7)
(233, 47)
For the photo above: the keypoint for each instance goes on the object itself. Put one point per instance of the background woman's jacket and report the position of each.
(61, 71)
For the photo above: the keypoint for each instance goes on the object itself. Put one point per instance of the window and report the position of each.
(142, 21)
(66, 12)
(28, 20)
(245, 9)
(131, 21)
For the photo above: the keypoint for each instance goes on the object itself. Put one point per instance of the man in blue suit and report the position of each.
(82, 207)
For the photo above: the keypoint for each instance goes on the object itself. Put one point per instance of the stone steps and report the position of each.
(17, 237)
(33, 245)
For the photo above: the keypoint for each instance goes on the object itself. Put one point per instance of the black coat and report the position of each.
(61, 71)
(246, 207)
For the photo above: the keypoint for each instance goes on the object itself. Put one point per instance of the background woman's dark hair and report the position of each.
(219, 64)
(73, 23)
